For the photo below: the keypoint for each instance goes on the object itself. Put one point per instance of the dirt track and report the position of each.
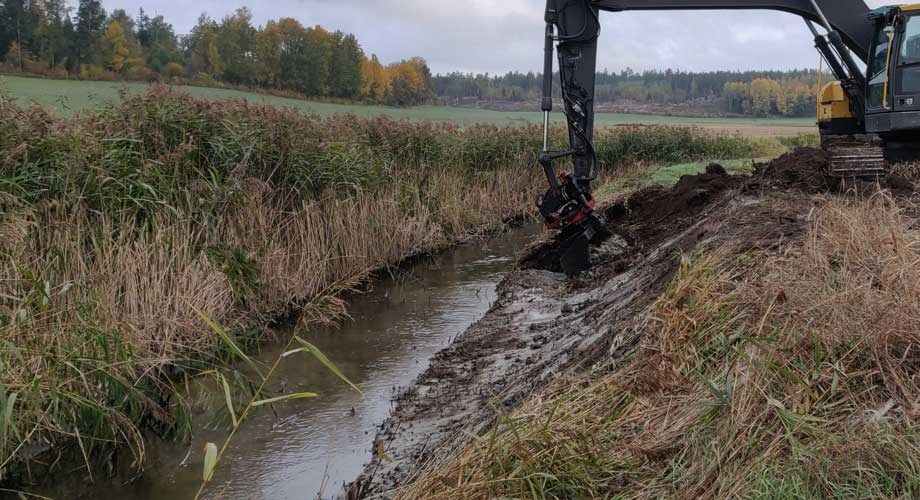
(755, 130)
(544, 324)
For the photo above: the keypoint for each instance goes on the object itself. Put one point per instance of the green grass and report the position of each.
(669, 175)
(70, 97)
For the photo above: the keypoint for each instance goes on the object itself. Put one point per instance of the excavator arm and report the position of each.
(847, 17)
(572, 31)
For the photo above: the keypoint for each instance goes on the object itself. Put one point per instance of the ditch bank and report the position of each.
(224, 212)
(544, 324)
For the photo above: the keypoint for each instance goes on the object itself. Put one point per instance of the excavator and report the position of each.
(867, 118)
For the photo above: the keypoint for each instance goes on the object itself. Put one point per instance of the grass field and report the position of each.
(70, 97)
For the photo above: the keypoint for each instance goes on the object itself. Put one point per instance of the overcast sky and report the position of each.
(496, 36)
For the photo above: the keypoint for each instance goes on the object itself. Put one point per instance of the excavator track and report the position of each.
(856, 156)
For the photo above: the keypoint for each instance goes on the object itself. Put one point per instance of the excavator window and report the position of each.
(878, 59)
(909, 60)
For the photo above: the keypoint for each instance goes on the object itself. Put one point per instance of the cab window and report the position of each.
(909, 60)
(878, 58)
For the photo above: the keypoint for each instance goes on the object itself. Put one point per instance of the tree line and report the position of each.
(49, 37)
(756, 93)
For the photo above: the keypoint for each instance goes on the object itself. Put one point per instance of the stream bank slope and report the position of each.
(544, 325)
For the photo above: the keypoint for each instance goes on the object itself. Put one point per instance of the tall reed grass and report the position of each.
(121, 228)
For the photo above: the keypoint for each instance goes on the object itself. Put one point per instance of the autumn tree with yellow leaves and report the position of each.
(115, 47)
(405, 83)
(769, 97)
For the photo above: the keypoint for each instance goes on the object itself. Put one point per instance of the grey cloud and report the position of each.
(500, 35)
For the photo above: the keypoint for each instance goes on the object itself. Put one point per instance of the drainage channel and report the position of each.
(310, 448)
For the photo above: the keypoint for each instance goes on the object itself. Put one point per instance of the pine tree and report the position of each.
(89, 25)
(16, 25)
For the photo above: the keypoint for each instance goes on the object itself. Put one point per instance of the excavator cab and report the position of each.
(866, 129)
(893, 72)
(893, 82)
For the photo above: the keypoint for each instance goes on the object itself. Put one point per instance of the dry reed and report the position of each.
(792, 374)
(117, 226)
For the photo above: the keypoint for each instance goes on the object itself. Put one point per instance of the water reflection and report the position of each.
(309, 448)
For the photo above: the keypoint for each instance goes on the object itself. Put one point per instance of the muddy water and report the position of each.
(309, 448)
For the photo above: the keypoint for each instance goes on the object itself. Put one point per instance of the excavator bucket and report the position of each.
(574, 253)
(575, 244)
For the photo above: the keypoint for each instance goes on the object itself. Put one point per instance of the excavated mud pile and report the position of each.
(801, 170)
(543, 323)
(648, 216)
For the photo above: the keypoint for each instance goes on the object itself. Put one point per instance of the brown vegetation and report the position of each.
(769, 369)
(119, 226)
(116, 228)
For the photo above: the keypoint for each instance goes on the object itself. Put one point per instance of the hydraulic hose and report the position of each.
(824, 48)
(547, 105)
(855, 72)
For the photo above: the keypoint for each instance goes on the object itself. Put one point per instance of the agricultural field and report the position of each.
(70, 97)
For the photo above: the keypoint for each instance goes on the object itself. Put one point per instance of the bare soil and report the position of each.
(758, 130)
(544, 324)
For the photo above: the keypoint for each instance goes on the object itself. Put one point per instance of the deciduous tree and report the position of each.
(115, 47)
(204, 56)
(236, 45)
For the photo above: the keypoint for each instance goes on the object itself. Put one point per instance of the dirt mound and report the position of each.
(805, 169)
(544, 324)
(661, 211)
(802, 170)
(900, 185)
(650, 215)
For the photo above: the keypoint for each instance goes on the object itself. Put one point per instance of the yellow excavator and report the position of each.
(867, 118)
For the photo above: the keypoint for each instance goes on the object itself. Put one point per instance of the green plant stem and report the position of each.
(242, 418)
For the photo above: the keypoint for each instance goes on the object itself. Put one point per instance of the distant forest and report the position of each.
(756, 93)
(47, 37)
(51, 38)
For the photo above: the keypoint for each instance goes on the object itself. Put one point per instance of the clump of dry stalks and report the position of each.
(117, 226)
(910, 171)
(792, 374)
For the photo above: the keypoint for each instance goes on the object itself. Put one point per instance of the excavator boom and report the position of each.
(847, 17)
